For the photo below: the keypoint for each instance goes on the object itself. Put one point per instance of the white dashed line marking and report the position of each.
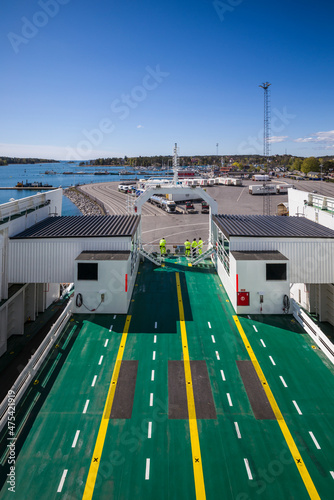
(209, 324)
(155, 339)
(152, 375)
(229, 399)
(94, 380)
(255, 328)
(217, 355)
(149, 432)
(147, 470)
(110, 328)
(283, 381)
(151, 399)
(75, 439)
(153, 357)
(271, 359)
(222, 374)
(155, 325)
(332, 473)
(106, 343)
(237, 429)
(297, 407)
(264, 345)
(248, 316)
(213, 339)
(249, 474)
(114, 316)
(315, 441)
(86, 406)
(101, 358)
(62, 481)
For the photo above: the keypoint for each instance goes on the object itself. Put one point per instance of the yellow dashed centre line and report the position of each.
(194, 438)
(280, 419)
(97, 454)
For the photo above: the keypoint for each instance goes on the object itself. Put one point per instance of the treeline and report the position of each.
(312, 164)
(187, 161)
(7, 160)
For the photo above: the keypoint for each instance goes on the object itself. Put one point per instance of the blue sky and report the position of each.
(83, 79)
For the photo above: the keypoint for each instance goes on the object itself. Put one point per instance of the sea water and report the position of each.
(10, 175)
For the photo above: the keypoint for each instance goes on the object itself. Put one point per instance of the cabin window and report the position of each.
(276, 272)
(87, 272)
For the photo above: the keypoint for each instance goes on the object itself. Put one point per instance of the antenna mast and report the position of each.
(176, 165)
(266, 133)
(266, 142)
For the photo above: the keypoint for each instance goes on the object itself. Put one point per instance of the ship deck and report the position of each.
(180, 399)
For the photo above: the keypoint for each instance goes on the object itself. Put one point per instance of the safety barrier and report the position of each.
(27, 375)
(152, 252)
(203, 256)
(150, 256)
(313, 330)
(22, 206)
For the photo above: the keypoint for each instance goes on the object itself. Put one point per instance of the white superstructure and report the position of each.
(316, 297)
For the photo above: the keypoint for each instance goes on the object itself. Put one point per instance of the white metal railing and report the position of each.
(223, 256)
(16, 207)
(321, 202)
(26, 376)
(204, 255)
(313, 330)
(175, 250)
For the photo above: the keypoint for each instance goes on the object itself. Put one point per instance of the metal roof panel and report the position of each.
(82, 226)
(270, 226)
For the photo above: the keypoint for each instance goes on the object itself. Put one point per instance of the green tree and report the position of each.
(310, 164)
(327, 165)
(297, 164)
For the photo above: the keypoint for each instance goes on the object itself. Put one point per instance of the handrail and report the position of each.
(23, 205)
(313, 330)
(23, 380)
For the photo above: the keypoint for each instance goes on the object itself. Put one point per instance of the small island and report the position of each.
(7, 160)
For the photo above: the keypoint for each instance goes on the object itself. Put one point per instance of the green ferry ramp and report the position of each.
(180, 399)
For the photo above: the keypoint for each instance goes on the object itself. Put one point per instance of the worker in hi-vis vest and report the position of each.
(200, 246)
(193, 248)
(187, 246)
(162, 246)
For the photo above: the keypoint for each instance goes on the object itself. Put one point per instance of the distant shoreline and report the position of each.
(32, 188)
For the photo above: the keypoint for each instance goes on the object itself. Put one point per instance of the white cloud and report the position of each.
(140, 126)
(277, 138)
(320, 137)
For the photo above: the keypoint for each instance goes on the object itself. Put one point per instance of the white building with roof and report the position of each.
(316, 297)
(260, 257)
(40, 249)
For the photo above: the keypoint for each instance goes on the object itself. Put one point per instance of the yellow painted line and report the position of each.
(314, 495)
(96, 458)
(194, 438)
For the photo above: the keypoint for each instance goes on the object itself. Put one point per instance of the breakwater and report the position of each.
(86, 204)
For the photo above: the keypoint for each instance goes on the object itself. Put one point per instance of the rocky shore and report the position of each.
(85, 204)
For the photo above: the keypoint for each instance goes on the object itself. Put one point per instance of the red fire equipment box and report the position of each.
(243, 299)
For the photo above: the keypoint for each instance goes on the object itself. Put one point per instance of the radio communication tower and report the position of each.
(266, 133)
(176, 165)
(266, 141)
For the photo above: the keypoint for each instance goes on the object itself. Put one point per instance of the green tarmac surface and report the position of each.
(241, 457)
